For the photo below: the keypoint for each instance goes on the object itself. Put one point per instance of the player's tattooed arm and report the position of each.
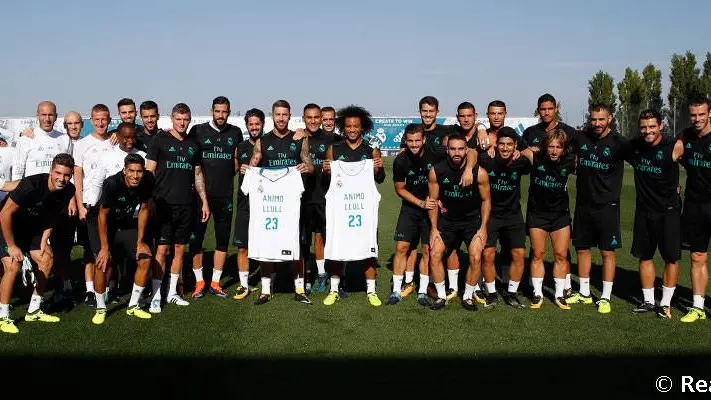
(326, 167)
(378, 164)
(256, 154)
(200, 189)
(307, 165)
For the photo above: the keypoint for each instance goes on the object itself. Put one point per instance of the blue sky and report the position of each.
(383, 55)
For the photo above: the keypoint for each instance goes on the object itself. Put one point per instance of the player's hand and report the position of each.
(516, 155)
(205, 212)
(28, 132)
(429, 204)
(45, 246)
(243, 168)
(103, 258)
(113, 139)
(434, 237)
(72, 209)
(483, 139)
(15, 253)
(143, 248)
(467, 177)
(378, 162)
(534, 148)
(82, 212)
(299, 133)
(491, 152)
(302, 168)
(481, 235)
(326, 166)
(441, 206)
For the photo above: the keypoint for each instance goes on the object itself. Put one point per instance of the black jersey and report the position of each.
(600, 167)
(414, 170)
(459, 203)
(697, 162)
(343, 152)
(217, 149)
(122, 201)
(548, 190)
(656, 175)
(434, 141)
(244, 154)
(505, 183)
(534, 134)
(144, 140)
(280, 152)
(38, 207)
(175, 170)
(316, 184)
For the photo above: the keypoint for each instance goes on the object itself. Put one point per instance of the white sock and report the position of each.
(4, 310)
(370, 283)
(559, 287)
(453, 275)
(468, 291)
(513, 286)
(409, 276)
(537, 286)
(477, 287)
(266, 285)
(216, 275)
(441, 292)
(299, 285)
(648, 295)
(334, 284)
(156, 284)
(568, 285)
(397, 283)
(321, 267)
(606, 290)
(699, 301)
(667, 294)
(243, 277)
(90, 286)
(35, 302)
(424, 282)
(585, 286)
(198, 274)
(135, 295)
(100, 301)
(491, 287)
(67, 285)
(173, 289)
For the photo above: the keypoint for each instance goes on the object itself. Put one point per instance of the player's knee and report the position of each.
(402, 248)
(561, 256)
(12, 268)
(489, 254)
(538, 254)
(518, 254)
(698, 258)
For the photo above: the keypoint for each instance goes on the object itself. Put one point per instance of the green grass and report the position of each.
(228, 329)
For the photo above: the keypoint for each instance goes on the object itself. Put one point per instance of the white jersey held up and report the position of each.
(352, 203)
(34, 156)
(274, 212)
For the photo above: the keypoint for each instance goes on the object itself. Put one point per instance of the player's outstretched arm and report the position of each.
(307, 165)
(468, 176)
(8, 186)
(256, 154)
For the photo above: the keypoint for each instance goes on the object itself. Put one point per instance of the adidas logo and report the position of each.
(270, 147)
(341, 158)
(410, 173)
(122, 198)
(585, 147)
(171, 148)
(446, 180)
(542, 168)
(492, 173)
(688, 145)
(207, 141)
(244, 155)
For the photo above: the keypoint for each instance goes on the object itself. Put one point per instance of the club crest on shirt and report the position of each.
(322, 147)
(339, 183)
(292, 147)
(660, 155)
(230, 141)
(260, 188)
(191, 151)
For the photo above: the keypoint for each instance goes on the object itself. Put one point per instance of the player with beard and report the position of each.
(601, 153)
(217, 141)
(548, 113)
(410, 171)
(149, 117)
(657, 218)
(254, 119)
(127, 113)
(506, 225)
(313, 211)
(462, 217)
(548, 212)
(279, 148)
(353, 122)
(27, 216)
(696, 215)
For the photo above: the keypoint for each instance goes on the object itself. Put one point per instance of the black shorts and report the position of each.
(221, 212)
(597, 226)
(657, 230)
(509, 230)
(453, 233)
(547, 221)
(122, 242)
(62, 238)
(412, 224)
(696, 227)
(312, 220)
(25, 241)
(174, 222)
(241, 237)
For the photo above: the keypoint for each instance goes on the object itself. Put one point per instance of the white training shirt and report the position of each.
(352, 203)
(6, 156)
(90, 164)
(34, 156)
(111, 163)
(274, 212)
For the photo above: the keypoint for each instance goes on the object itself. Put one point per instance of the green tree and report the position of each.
(685, 83)
(652, 88)
(630, 92)
(601, 91)
(706, 76)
